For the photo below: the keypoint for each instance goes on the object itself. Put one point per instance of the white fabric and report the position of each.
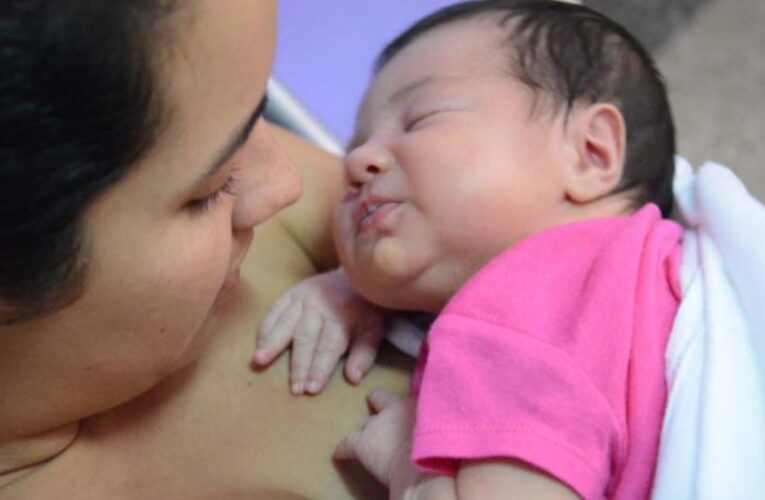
(713, 437)
(406, 336)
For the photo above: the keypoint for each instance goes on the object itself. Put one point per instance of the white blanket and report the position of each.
(713, 437)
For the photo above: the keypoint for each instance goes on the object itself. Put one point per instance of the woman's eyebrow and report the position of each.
(236, 141)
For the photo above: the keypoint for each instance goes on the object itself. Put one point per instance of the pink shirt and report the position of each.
(554, 354)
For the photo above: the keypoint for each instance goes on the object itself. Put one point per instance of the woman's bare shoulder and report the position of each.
(218, 429)
(308, 221)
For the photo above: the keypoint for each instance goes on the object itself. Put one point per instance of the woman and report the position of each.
(134, 167)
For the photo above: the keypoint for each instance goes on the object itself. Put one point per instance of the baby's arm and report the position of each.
(321, 317)
(496, 478)
(384, 444)
(507, 478)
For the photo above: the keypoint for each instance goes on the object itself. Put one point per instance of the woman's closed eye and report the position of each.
(204, 204)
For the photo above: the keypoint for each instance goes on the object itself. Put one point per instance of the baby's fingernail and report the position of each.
(297, 388)
(356, 374)
(313, 387)
(259, 356)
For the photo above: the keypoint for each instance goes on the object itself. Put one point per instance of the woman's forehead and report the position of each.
(214, 74)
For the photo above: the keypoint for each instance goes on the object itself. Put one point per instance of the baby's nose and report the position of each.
(365, 162)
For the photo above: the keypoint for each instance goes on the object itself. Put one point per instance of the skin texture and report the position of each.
(444, 136)
(448, 145)
(455, 161)
(142, 388)
(218, 429)
(321, 319)
(460, 161)
(141, 316)
(444, 141)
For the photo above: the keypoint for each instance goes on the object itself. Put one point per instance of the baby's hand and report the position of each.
(321, 317)
(383, 445)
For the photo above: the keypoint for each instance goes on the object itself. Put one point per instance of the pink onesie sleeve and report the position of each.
(524, 399)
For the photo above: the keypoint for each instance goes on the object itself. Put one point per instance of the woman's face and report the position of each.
(165, 243)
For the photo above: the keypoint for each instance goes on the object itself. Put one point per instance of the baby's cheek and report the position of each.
(341, 233)
(390, 259)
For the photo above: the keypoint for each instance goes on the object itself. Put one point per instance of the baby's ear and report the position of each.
(597, 134)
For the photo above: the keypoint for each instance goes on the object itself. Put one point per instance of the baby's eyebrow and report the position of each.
(394, 98)
(397, 96)
(411, 87)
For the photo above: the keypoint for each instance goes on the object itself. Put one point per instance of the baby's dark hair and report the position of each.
(571, 54)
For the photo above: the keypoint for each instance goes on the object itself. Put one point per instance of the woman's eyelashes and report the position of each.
(202, 205)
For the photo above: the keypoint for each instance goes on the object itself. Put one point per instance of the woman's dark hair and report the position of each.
(79, 106)
(573, 54)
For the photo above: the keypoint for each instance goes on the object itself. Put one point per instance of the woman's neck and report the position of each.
(20, 456)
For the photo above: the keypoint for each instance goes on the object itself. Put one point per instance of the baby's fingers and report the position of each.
(276, 330)
(347, 449)
(304, 345)
(379, 399)
(331, 346)
(363, 353)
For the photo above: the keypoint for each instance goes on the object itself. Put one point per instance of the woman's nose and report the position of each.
(268, 183)
(363, 163)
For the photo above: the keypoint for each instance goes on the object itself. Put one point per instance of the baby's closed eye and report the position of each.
(419, 117)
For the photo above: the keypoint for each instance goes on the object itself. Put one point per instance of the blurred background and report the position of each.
(711, 52)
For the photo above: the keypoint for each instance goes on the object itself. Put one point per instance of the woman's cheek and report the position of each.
(209, 258)
(196, 267)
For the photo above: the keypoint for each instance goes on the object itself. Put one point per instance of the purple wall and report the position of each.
(326, 48)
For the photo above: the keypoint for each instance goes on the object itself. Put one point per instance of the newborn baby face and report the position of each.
(447, 169)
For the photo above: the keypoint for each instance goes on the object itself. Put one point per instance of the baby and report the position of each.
(510, 169)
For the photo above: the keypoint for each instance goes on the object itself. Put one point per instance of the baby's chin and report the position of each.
(405, 293)
(395, 276)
